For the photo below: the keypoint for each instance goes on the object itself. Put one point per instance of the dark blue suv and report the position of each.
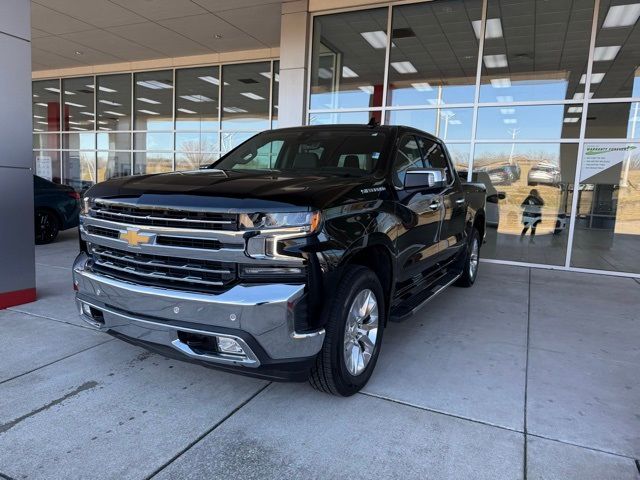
(57, 207)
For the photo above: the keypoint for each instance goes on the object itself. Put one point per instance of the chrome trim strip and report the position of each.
(162, 219)
(159, 263)
(156, 275)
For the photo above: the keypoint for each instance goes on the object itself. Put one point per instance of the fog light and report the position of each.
(229, 345)
(86, 309)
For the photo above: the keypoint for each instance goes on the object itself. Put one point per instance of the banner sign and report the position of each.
(598, 157)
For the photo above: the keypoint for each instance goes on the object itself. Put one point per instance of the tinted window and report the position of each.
(407, 157)
(434, 156)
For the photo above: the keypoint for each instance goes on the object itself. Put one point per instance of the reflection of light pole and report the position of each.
(514, 133)
(634, 121)
(447, 115)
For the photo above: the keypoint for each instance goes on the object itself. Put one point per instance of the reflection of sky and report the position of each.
(529, 90)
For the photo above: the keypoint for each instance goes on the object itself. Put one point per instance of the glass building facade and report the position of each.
(538, 100)
(89, 129)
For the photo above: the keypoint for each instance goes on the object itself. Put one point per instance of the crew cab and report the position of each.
(288, 257)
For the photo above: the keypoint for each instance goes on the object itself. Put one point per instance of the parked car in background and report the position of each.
(544, 174)
(57, 207)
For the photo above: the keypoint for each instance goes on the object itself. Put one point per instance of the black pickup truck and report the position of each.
(286, 258)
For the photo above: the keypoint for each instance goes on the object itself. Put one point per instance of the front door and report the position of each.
(421, 214)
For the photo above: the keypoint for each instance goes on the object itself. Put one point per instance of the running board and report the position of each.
(403, 312)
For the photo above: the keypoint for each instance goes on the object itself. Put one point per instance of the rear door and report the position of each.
(420, 213)
(451, 238)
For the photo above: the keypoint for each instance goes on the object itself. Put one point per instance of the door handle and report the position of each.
(434, 205)
(460, 201)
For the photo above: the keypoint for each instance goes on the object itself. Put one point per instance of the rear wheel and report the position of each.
(46, 227)
(471, 262)
(353, 334)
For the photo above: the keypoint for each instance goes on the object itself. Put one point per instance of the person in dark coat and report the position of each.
(531, 213)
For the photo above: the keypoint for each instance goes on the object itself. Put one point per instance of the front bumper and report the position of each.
(258, 318)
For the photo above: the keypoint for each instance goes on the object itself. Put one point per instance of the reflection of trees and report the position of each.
(195, 154)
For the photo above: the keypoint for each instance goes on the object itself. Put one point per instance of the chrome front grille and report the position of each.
(168, 272)
(132, 214)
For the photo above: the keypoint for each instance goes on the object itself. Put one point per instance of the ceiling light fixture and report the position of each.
(252, 96)
(507, 111)
(501, 82)
(605, 54)
(109, 102)
(348, 73)
(78, 52)
(510, 121)
(493, 29)
(403, 68)
(196, 98)
(422, 86)
(154, 84)
(53, 89)
(367, 89)
(495, 61)
(186, 110)
(75, 105)
(148, 112)
(148, 100)
(324, 73)
(377, 39)
(504, 98)
(622, 15)
(88, 114)
(571, 119)
(210, 79)
(595, 78)
(234, 110)
(574, 110)
(117, 114)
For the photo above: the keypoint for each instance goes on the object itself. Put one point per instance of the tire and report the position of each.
(471, 261)
(46, 226)
(334, 372)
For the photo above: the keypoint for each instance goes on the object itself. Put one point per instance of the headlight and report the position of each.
(305, 221)
(85, 205)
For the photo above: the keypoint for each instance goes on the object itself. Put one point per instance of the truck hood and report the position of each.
(232, 190)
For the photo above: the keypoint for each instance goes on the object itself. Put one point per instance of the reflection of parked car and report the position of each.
(493, 196)
(500, 176)
(544, 174)
(56, 208)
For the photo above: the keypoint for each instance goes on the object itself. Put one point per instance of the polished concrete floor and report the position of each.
(529, 374)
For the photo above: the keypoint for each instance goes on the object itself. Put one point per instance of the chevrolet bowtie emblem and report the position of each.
(133, 238)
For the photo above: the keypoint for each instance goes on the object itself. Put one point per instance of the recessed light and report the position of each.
(507, 111)
(75, 105)
(492, 30)
(495, 61)
(574, 110)
(252, 96)
(148, 112)
(324, 73)
(422, 86)
(367, 89)
(88, 114)
(377, 39)
(109, 102)
(196, 98)
(403, 67)
(595, 78)
(571, 119)
(605, 54)
(500, 82)
(622, 15)
(54, 90)
(186, 110)
(38, 116)
(234, 110)
(117, 114)
(504, 98)
(78, 52)
(510, 121)
(148, 100)
(154, 84)
(218, 36)
(348, 73)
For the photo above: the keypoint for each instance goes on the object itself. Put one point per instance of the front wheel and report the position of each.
(471, 262)
(353, 334)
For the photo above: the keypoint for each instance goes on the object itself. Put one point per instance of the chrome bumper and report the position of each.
(157, 315)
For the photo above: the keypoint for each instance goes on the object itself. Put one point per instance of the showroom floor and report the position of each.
(529, 374)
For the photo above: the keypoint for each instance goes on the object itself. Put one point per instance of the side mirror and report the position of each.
(424, 178)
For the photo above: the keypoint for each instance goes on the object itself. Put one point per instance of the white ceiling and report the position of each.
(112, 31)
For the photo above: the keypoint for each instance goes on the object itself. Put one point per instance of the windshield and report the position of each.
(333, 152)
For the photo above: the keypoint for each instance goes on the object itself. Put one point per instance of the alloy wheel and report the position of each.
(361, 332)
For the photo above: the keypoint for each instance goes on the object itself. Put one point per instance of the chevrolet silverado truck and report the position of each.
(285, 259)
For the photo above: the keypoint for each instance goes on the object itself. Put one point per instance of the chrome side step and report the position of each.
(402, 313)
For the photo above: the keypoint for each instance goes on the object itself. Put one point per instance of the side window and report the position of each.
(434, 156)
(407, 157)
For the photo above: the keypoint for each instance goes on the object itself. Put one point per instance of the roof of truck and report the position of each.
(395, 129)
